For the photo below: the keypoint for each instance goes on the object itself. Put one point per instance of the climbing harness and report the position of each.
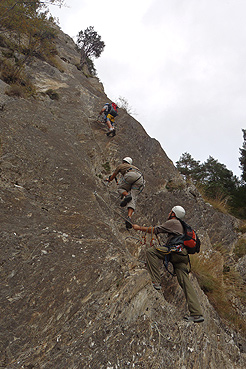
(139, 188)
(171, 248)
(166, 259)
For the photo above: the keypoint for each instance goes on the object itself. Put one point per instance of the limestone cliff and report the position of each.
(74, 292)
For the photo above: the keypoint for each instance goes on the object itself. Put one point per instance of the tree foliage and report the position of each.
(90, 45)
(90, 42)
(238, 198)
(11, 10)
(216, 181)
(212, 177)
(189, 167)
(237, 202)
(216, 178)
(242, 158)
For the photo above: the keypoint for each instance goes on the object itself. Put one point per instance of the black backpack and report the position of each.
(189, 239)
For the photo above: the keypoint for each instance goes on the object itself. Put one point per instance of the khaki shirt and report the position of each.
(124, 168)
(172, 227)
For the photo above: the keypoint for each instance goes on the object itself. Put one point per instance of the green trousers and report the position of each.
(181, 267)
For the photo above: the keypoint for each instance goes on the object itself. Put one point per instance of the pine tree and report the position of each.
(217, 180)
(90, 45)
(242, 159)
(189, 167)
(212, 177)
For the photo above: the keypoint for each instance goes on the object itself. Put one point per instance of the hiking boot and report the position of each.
(111, 131)
(157, 286)
(125, 201)
(194, 318)
(128, 223)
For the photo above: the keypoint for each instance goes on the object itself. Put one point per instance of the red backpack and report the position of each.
(113, 109)
(189, 239)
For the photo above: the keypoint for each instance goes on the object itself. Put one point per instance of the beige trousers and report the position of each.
(133, 183)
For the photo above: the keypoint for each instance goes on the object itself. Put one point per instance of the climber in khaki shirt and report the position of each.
(130, 186)
(180, 261)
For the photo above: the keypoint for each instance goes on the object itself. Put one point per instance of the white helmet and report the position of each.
(179, 211)
(128, 160)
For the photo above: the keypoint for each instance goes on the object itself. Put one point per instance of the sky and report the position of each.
(180, 65)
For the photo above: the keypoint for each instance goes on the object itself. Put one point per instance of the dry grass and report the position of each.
(16, 90)
(219, 202)
(106, 167)
(240, 248)
(222, 292)
(19, 90)
(220, 248)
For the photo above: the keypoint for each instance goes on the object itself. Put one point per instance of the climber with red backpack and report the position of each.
(181, 241)
(110, 111)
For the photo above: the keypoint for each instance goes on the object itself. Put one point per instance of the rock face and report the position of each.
(74, 293)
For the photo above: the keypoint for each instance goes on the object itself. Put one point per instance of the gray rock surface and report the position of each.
(73, 291)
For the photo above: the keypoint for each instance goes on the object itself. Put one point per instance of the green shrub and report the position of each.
(28, 31)
(106, 167)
